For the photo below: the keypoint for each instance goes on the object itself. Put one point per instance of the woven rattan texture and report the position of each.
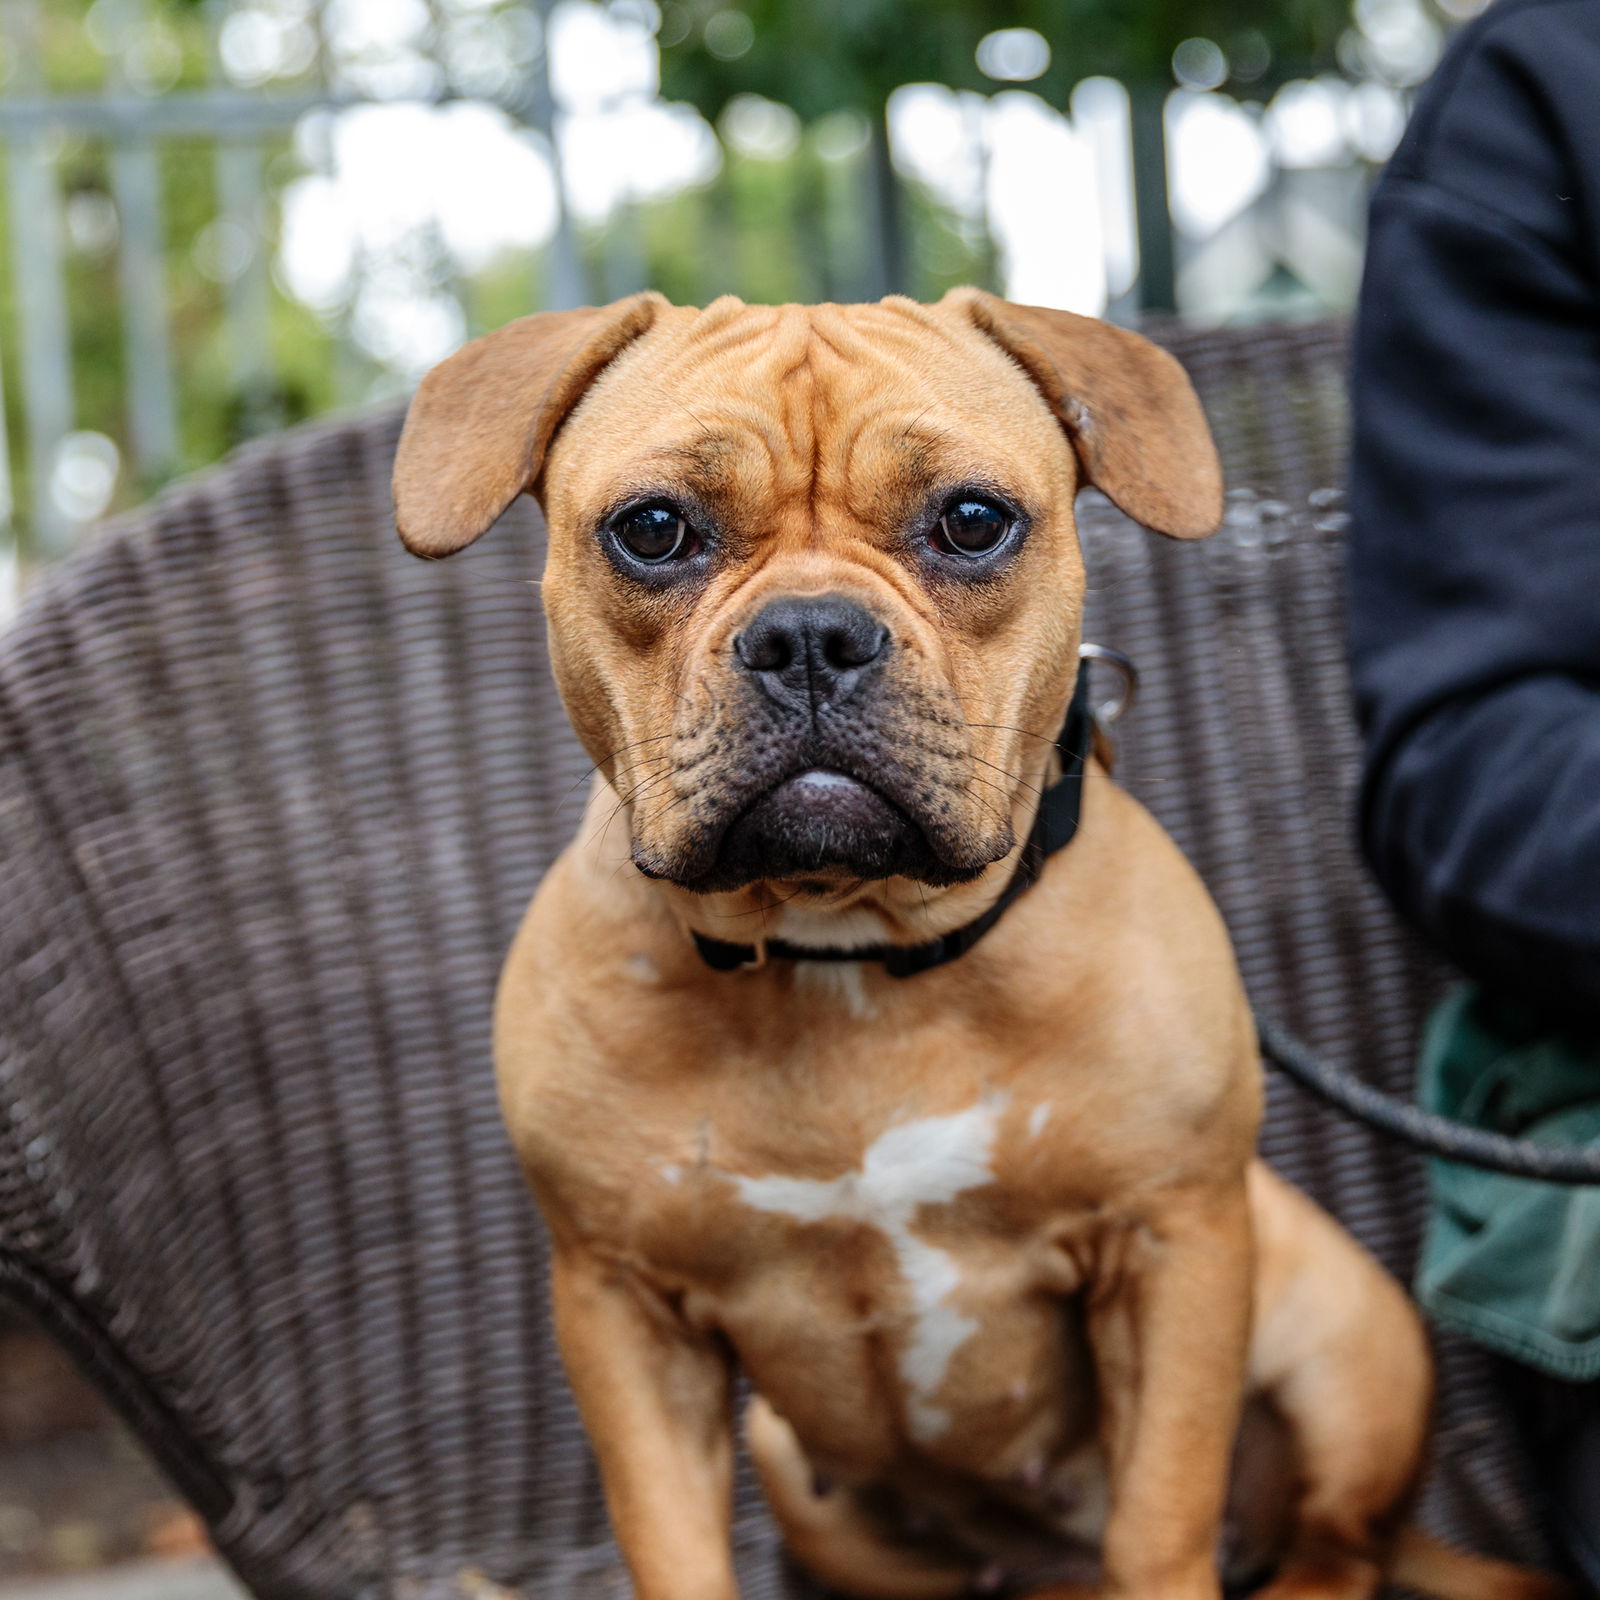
(272, 798)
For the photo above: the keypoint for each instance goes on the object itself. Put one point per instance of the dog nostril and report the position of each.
(764, 649)
(855, 644)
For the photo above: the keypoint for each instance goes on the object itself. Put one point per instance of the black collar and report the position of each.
(1054, 826)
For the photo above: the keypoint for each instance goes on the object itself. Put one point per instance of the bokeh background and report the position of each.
(220, 217)
(223, 216)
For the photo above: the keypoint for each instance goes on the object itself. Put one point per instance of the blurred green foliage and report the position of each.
(828, 55)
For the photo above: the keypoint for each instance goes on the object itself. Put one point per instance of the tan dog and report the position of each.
(989, 1242)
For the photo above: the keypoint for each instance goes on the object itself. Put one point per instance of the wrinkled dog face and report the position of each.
(813, 588)
(813, 583)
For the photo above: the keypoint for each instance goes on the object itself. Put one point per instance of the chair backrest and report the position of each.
(272, 798)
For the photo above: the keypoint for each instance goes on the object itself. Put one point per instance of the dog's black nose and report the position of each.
(812, 652)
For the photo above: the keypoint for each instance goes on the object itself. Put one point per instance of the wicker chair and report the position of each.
(272, 798)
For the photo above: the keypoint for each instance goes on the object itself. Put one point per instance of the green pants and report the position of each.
(1511, 1262)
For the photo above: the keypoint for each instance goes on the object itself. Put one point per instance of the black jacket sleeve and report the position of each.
(1475, 506)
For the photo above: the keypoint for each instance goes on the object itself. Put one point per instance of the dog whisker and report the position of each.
(686, 795)
(1015, 777)
(1008, 727)
(605, 760)
(624, 801)
(978, 777)
(643, 787)
(467, 575)
(979, 800)
(642, 775)
(757, 911)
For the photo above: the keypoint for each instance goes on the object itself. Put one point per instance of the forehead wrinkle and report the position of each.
(913, 447)
(711, 337)
(896, 338)
(783, 420)
(718, 331)
(742, 468)
(840, 340)
(782, 330)
(770, 434)
(858, 331)
(887, 338)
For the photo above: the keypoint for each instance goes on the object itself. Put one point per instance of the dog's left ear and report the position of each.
(1129, 408)
(477, 432)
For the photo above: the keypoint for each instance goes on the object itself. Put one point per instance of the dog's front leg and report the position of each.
(655, 1395)
(1169, 1320)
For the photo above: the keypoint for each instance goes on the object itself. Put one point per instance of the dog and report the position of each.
(1019, 1306)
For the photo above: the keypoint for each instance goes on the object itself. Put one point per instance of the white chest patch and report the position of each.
(641, 968)
(840, 982)
(836, 930)
(923, 1163)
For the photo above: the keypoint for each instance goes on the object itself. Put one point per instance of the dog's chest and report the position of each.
(892, 1297)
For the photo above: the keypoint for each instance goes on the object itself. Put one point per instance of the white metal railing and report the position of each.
(224, 123)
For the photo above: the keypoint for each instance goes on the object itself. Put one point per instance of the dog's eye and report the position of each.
(971, 527)
(654, 534)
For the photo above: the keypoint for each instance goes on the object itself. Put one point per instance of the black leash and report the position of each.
(1424, 1130)
(1054, 828)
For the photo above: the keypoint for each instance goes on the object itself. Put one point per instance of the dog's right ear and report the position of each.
(481, 422)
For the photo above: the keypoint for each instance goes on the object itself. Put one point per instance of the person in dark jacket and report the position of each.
(1475, 634)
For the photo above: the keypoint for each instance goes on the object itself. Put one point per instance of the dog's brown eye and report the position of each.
(973, 527)
(654, 533)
